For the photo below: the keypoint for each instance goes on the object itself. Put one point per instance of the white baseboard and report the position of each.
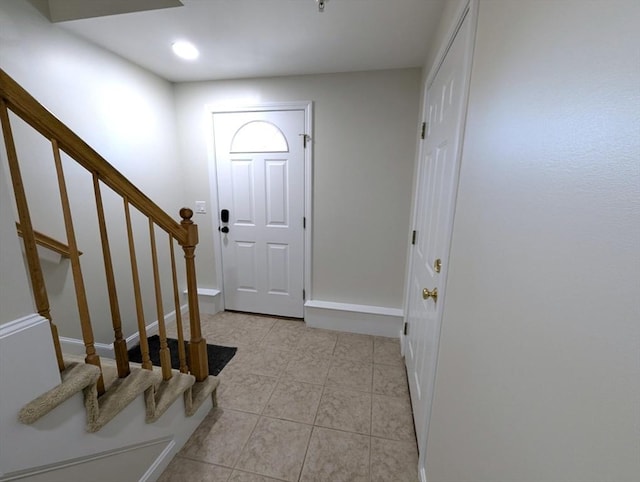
(21, 324)
(209, 300)
(152, 328)
(364, 319)
(74, 346)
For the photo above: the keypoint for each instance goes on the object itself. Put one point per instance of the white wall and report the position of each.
(127, 115)
(364, 145)
(448, 19)
(538, 376)
(15, 294)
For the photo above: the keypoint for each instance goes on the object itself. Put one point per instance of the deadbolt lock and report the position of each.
(437, 265)
(426, 294)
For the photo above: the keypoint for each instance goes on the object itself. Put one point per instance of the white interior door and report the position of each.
(260, 171)
(438, 169)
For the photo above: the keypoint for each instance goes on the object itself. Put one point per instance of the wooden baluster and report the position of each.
(81, 295)
(165, 355)
(31, 250)
(197, 345)
(119, 343)
(176, 300)
(142, 327)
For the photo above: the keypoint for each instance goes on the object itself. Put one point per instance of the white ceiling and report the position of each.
(261, 38)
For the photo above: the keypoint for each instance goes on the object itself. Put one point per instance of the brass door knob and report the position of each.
(426, 294)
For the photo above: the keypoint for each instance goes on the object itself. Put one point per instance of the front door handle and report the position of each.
(224, 229)
(426, 294)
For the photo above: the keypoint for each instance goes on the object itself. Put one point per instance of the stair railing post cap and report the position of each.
(186, 214)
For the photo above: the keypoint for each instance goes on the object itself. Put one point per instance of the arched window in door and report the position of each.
(259, 136)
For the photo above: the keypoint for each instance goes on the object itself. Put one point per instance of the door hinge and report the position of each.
(424, 130)
(304, 222)
(413, 237)
(304, 294)
(406, 328)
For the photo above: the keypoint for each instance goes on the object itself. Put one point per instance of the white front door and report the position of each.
(438, 169)
(260, 169)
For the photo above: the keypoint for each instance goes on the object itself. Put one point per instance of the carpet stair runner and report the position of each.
(159, 394)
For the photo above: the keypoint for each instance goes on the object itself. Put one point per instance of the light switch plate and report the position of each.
(201, 207)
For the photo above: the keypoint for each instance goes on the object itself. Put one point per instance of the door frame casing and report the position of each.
(468, 8)
(307, 107)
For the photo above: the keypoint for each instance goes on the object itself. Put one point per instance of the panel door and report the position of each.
(260, 169)
(434, 207)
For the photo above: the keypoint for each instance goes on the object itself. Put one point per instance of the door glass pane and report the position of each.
(259, 136)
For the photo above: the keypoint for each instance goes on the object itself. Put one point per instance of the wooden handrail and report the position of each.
(37, 116)
(49, 242)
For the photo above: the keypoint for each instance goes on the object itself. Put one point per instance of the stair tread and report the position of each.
(75, 377)
(159, 394)
(120, 394)
(199, 392)
(166, 393)
(108, 366)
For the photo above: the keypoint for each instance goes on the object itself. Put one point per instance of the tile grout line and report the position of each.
(261, 414)
(259, 345)
(306, 451)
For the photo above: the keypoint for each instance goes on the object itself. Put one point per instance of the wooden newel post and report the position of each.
(198, 360)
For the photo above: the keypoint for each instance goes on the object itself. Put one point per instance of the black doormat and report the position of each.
(218, 356)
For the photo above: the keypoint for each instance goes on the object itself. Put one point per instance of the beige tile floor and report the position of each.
(302, 404)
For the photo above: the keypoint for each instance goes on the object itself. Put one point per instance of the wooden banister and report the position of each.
(119, 343)
(33, 261)
(176, 301)
(78, 281)
(198, 361)
(48, 242)
(165, 356)
(15, 99)
(137, 292)
(31, 111)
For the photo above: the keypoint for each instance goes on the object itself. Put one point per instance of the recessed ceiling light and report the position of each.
(185, 50)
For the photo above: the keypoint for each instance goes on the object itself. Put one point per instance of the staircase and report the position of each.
(108, 387)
